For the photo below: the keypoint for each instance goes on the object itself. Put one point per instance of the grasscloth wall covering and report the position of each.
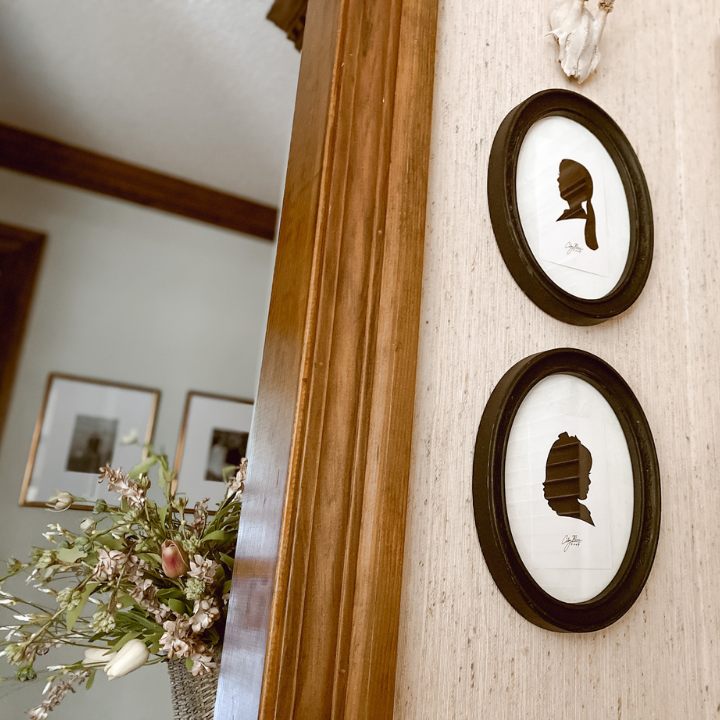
(464, 652)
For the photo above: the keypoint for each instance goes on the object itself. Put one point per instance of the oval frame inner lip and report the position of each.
(507, 226)
(491, 519)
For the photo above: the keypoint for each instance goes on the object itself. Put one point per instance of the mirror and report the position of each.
(125, 293)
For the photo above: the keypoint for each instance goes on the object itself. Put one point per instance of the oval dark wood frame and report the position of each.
(511, 240)
(491, 520)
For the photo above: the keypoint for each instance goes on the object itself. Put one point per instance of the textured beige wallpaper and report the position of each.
(464, 652)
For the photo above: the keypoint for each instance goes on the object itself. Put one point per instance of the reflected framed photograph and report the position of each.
(566, 491)
(570, 208)
(85, 424)
(214, 434)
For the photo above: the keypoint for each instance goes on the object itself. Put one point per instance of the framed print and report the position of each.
(214, 434)
(570, 208)
(82, 426)
(566, 491)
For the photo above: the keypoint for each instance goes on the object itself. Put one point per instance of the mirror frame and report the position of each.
(314, 611)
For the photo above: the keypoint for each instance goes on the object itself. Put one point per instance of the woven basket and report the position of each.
(193, 698)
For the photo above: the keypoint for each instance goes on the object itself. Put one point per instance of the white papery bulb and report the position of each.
(578, 34)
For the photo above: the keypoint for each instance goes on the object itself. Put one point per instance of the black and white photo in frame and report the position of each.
(214, 435)
(85, 424)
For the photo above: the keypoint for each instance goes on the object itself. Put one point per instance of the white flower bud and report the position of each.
(130, 438)
(95, 656)
(131, 656)
(61, 500)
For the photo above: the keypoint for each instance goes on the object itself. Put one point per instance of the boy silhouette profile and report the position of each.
(567, 478)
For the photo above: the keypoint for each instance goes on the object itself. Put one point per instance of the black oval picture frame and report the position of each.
(507, 225)
(491, 517)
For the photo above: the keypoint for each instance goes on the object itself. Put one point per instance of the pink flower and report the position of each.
(174, 559)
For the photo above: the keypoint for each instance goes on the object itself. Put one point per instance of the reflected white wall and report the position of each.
(130, 295)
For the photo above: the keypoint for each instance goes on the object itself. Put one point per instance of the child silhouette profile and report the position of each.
(567, 478)
(576, 187)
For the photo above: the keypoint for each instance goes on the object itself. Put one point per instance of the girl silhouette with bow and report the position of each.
(576, 187)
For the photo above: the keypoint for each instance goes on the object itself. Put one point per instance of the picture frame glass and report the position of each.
(569, 488)
(573, 207)
(86, 424)
(214, 435)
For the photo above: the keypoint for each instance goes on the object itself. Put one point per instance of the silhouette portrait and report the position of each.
(576, 187)
(567, 478)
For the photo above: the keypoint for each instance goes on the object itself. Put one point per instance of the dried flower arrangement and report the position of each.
(159, 580)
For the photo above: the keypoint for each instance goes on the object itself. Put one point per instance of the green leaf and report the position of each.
(153, 558)
(125, 600)
(142, 467)
(70, 555)
(139, 617)
(74, 614)
(188, 663)
(165, 476)
(126, 638)
(170, 593)
(162, 512)
(152, 640)
(229, 470)
(91, 679)
(177, 606)
(227, 560)
(218, 535)
(111, 542)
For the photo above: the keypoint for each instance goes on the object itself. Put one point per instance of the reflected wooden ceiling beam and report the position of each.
(289, 16)
(52, 160)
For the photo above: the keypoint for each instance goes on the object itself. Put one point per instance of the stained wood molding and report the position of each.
(313, 619)
(289, 16)
(52, 160)
(20, 255)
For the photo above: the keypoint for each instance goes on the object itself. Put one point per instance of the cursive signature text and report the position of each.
(570, 541)
(572, 247)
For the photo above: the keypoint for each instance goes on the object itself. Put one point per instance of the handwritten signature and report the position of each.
(572, 247)
(570, 541)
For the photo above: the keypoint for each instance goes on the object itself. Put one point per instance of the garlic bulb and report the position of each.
(578, 34)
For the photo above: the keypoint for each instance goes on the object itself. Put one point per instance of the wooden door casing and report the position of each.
(313, 620)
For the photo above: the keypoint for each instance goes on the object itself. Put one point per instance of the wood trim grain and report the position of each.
(52, 160)
(24, 249)
(316, 591)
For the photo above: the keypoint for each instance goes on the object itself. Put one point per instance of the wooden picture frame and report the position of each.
(214, 429)
(499, 536)
(84, 422)
(523, 252)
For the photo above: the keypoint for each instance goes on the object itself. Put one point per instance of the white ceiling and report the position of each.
(202, 89)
